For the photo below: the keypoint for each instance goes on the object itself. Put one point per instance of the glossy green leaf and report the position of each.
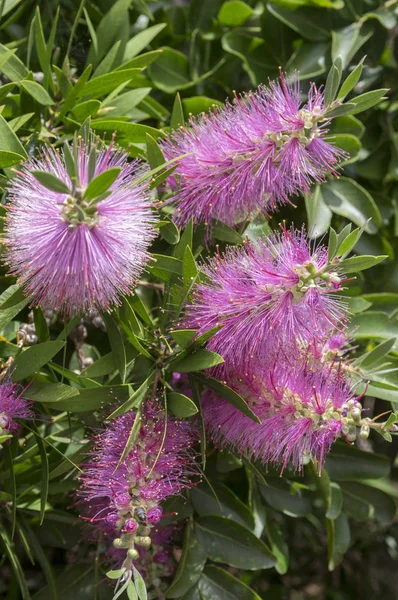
(101, 183)
(198, 361)
(180, 405)
(8, 139)
(220, 500)
(51, 182)
(346, 463)
(234, 13)
(347, 198)
(217, 583)
(190, 566)
(227, 542)
(33, 358)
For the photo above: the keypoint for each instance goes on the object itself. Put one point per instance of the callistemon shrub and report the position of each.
(87, 224)
(280, 290)
(123, 487)
(13, 406)
(303, 406)
(251, 156)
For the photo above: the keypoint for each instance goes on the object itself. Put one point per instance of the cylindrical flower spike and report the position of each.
(252, 155)
(303, 407)
(73, 252)
(279, 291)
(121, 501)
(12, 406)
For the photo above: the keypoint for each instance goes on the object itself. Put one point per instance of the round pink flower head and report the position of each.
(81, 249)
(121, 498)
(278, 291)
(303, 406)
(252, 155)
(12, 406)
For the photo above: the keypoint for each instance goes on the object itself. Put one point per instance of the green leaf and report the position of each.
(10, 466)
(169, 264)
(339, 538)
(309, 59)
(141, 40)
(135, 399)
(33, 358)
(197, 361)
(86, 109)
(44, 477)
(190, 566)
(183, 337)
(217, 583)
(131, 132)
(8, 159)
(299, 22)
(171, 71)
(347, 198)
(228, 542)
(51, 182)
(351, 81)
(319, 214)
(117, 344)
(139, 585)
(90, 399)
(101, 183)
(383, 505)
(154, 153)
(8, 139)
(234, 13)
(220, 500)
(189, 269)
(223, 390)
(226, 234)
(180, 405)
(372, 357)
(177, 114)
(15, 564)
(347, 463)
(14, 295)
(37, 92)
(347, 41)
(367, 100)
(294, 505)
(336, 502)
(169, 232)
(99, 86)
(109, 30)
(360, 263)
(14, 68)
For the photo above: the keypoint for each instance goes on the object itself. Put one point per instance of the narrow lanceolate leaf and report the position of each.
(101, 183)
(228, 394)
(33, 358)
(198, 361)
(177, 115)
(9, 141)
(360, 263)
(51, 182)
(333, 81)
(37, 92)
(44, 477)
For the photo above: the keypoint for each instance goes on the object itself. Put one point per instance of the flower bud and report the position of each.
(130, 526)
(143, 541)
(132, 553)
(364, 433)
(154, 515)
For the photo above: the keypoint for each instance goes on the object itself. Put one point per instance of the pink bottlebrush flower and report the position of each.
(303, 407)
(160, 464)
(12, 406)
(251, 156)
(278, 291)
(76, 255)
